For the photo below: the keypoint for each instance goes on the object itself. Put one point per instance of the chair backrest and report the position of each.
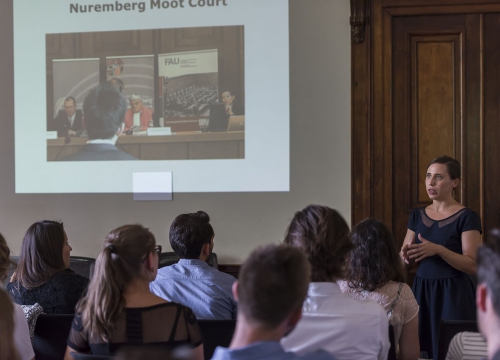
(51, 334)
(82, 265)
(216, 333)
(392, 350)
(170, 258)
(77, 356)
(448, 329)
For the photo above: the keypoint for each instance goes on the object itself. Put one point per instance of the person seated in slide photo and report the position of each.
(104, 109)
(69, 120)
(138, 115)
(232, 107)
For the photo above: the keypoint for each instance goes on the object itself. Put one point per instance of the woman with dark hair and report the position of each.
(442, 238)
(15, 342)
(331, 320)
(43, 275)
(374, 271)
(119, 309)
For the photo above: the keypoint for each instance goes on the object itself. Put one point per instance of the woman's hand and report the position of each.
(419, 252)
(409, 239)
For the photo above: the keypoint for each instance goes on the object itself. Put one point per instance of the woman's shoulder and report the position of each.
(68, 279)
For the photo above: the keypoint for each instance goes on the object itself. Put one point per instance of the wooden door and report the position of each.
(425, 83)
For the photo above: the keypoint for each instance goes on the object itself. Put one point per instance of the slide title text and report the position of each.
(76, 8)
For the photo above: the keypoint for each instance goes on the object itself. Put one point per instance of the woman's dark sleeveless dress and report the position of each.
(442, 291)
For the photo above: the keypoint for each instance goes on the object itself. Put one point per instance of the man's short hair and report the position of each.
(188, 234)
(488, 267)
(323, 235)
(104, 109)
(272, 284)
(135, 97)
(70, 98)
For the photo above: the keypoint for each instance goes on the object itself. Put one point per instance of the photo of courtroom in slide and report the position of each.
(185, 91)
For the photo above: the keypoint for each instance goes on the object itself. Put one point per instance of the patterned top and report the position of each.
(58, 295)
(396, 298)
(467, 345)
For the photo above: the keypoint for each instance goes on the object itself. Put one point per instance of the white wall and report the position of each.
(320, 154)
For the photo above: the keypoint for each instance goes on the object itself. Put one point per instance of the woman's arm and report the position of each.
(471, 240)
(409, 239)
(409, 346)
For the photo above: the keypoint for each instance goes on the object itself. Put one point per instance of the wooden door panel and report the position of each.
(491, 128)
(427, 105)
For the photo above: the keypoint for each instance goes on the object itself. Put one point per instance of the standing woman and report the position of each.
(443, 239)
(118, 308)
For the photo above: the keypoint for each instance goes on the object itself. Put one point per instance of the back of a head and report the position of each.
(125, 251)
(7, 347)
(5, 262)
(323, 234)
(104, 109)
(189, 232)
(272, 283)
(374, 261)
(488, 267)
(41, 253)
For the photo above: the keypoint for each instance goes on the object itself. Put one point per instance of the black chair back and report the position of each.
(170, 258)
(216, 333)
(392, 350)
(448, 329)
(77, 356)
(82, 265)
(51, 334)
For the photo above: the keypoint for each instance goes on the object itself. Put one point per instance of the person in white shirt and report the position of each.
(332, 320)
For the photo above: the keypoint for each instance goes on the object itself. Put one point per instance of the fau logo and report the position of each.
(170, 61)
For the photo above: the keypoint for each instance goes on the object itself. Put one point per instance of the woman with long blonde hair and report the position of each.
(119, 309)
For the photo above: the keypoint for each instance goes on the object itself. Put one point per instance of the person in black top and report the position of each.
(43, 275)
(119, 310)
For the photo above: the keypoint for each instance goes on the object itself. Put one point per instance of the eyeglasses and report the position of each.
(158, 249)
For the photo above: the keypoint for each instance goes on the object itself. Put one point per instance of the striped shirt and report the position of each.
(467, 346)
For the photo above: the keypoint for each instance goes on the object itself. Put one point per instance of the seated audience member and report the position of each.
(332, 320)
(8, 350)
(69, 120)
(104, 109)
(118, 308)
(232, 107)
(138, 115)
(43, 275)
(467, 345)
(270, 291)
(192, 282)
(488, 293)
(19, 328)
(374, 271)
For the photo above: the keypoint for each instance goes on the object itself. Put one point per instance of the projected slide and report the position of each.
(205, 83)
